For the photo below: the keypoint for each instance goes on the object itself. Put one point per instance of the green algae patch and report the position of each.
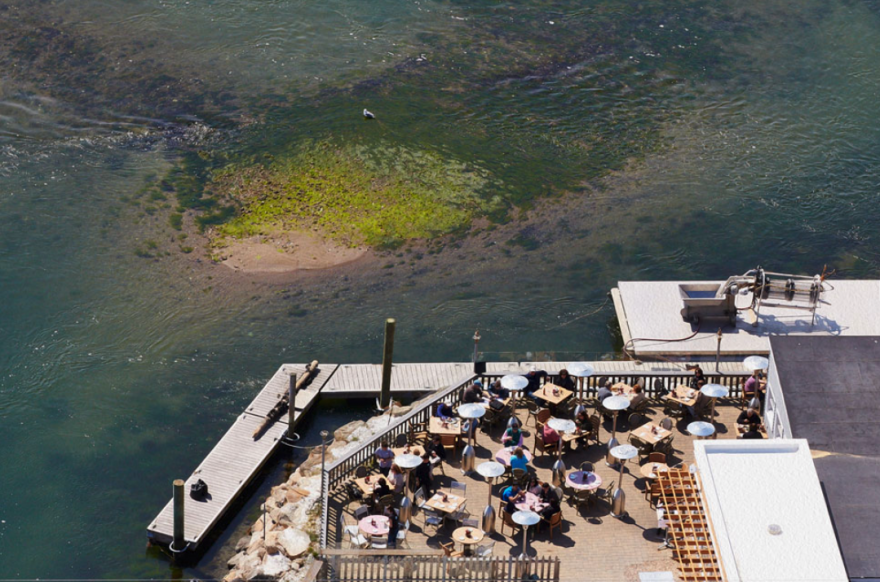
(380, 196)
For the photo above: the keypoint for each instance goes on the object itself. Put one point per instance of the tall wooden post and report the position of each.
(291, 409)
(385, 394)
(178, 542)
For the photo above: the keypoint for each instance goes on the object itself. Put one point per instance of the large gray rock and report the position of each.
(249, 566)
(343, 432)
(243, 542)
(275, 565)
(293, 542)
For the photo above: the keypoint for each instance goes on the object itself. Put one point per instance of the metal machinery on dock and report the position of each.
(703, 301)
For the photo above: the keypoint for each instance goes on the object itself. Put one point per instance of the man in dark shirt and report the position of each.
(424, 478)
(473, 393)
(749, 416)
(534, 377)
(551, 509)
(547, 494)
(435, 448)
(604, 391)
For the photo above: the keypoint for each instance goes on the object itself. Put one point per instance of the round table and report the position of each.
(583, 481)
(525, 519)
(514, 382)
(381, 528)
(753, 363)
(503, 456)
(651, 470)
(460, 535)
(701, 429)
(531, 502)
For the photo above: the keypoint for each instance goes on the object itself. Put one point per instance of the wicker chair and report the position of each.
(507, 520)
(645, 448)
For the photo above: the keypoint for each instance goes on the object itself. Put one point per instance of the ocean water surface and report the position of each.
(651, 140)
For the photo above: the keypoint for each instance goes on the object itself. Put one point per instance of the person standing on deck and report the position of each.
(385, 457)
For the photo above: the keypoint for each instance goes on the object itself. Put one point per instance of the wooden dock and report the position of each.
(231, 465)
(365, 380)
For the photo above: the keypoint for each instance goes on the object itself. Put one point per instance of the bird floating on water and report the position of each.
(368, 115)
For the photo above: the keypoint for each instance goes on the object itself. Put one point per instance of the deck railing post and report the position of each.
(177, 541)
(385, 394)
(291, 409)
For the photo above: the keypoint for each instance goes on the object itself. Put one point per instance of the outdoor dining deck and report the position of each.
(590, 542)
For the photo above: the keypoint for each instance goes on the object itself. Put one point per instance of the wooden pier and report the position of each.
(231, 465)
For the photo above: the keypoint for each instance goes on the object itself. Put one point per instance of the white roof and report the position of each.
(749, 486)
(652, 310)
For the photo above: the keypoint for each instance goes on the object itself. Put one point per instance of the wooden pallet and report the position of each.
(689, 528)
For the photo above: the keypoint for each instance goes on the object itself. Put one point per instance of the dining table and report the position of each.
(583, 480)
(653, 470)
(446, 502)
(683, 395)
(440, 427)
(651, 433)
(467, 537)
(553, 394)
(531, 502)
(374, 525)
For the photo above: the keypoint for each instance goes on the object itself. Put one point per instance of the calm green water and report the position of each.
(693, 139)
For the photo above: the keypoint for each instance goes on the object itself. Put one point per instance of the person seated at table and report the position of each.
(552, 509)
(582, 420)
(512, 436)
(518, 460)
(436, 450)
(381, 488)
(534, 486)
(753, 432)
(564, 380)
(444, 411)
(511, 496)
(385, 457)
(473, 393)
(534, 377)
(424, 476)
(397, 477)
(547, 494)
(755, 384)
(701, 401)
(393, 526)
(604, 391)
(749, 416)
(698, 376)
(639, 396)
(550, 435)
(498, 391)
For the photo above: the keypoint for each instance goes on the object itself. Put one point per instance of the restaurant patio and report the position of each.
(590, 542)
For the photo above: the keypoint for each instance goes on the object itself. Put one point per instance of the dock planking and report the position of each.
(237, 457)
(365, 380)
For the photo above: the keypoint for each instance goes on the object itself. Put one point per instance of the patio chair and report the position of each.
(507, 520)
(666, 423)
(379, 542)
(485, 550)
(605, 494)
(542, 447)
(582, 497)
(361, 512)
(470, 522)
(555, 521)
(532, 408)
(450, 551)
(541, 417)
(401, 440)
(595, 426)
(673, 409)
(401, 535)
(382, 503)
(518, 476)
(361, 472)
(665, 446)
(587, 466)
(418, 433)
(656, 457)
(355, 538)
(639, 413)
(459, 486)
(458, 516)
(449, 442)
(645, 448)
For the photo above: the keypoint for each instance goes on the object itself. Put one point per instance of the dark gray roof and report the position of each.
(831, 387)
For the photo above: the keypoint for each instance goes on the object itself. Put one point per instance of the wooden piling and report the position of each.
(385, 394)
(178, 539)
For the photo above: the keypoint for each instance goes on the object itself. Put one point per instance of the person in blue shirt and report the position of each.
(444, 411)
(518, 460)
(511, 496)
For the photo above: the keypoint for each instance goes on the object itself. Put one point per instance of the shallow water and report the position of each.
(694, 139)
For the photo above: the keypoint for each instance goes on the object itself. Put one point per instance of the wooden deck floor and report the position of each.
(365, 380)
